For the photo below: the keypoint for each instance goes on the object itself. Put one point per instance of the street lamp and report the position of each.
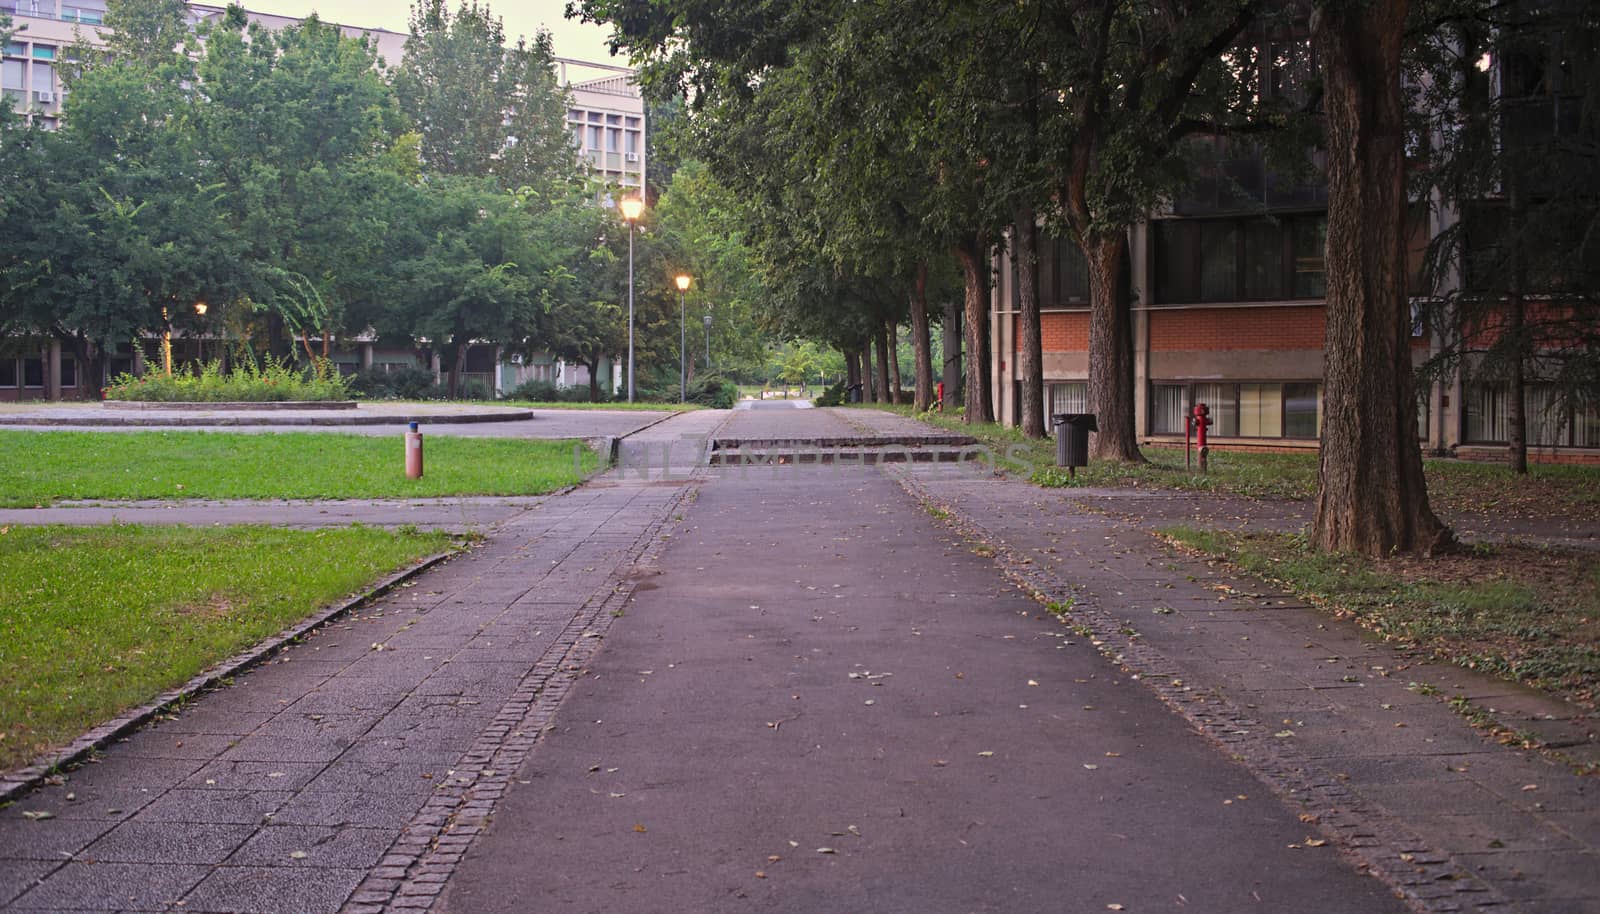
(683, 340)
(632, 208)
(708, 337)
(200, 343)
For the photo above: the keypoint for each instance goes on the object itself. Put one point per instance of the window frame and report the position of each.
(1176, 248)
(1190, 384)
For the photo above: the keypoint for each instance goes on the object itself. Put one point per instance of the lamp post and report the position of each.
(683, 340)
(200, 309)
(632, 208)
(708, 337)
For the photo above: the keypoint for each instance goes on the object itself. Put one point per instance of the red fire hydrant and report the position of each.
(938, 392)
(1199, 420)
(413, 452)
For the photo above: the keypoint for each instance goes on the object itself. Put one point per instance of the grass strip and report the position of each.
(96, 620)
(47, 466)
(1550, 491)
(622, 406)
(1522, 613)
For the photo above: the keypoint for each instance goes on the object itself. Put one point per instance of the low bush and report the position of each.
(400, 384)
(272, 380)
(546, 392)
(712, 390)
(833, 396)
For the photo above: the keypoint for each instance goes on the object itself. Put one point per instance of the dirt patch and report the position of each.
(215, 606)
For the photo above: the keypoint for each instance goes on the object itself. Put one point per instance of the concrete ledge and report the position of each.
(248, 419)
(231, 405)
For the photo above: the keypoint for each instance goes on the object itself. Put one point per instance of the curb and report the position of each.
(1426, 879)
(157, 422)
(15, 783)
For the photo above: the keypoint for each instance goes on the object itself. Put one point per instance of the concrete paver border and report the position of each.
(15, 783)
(1429, 880)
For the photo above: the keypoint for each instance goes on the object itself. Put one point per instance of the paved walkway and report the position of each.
(823, 703)
(326, 773)
(813, 695)
(1317, 708)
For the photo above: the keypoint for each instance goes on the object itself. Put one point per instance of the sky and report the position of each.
(522, 17)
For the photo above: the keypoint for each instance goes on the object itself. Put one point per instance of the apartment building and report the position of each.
(607, 121)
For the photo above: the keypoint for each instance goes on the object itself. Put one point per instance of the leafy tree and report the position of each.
(483, 108)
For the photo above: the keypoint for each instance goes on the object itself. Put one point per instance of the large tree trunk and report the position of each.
(1111, 381)
(1371, 494)
(1030, 361)
(975, 282)
(892, 333)
(594, 379)
(921, 344)
(852, 371)
(951, 329)
(882, 342)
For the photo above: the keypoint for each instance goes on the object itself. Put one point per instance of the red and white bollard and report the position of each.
(413, 453)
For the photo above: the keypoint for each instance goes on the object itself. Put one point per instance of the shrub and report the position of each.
(712, 390)
(833, 396)
(476, 390)
(546, 392)
(272, 380)
(403, 384)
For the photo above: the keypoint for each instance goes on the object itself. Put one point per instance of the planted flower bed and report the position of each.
(271, 381)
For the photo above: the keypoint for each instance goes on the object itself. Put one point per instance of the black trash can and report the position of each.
(1072, 438)
(854, 390)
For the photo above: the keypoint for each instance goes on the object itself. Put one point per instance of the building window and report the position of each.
(1068, 397)
(1550, 420)
(1062, 279)
(1225, 260)
(69, 372)
(44, 52)
(8, 372)
(1245, 410)
(33, 373)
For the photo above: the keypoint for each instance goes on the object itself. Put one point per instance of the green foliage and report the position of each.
(79, 465)
(546, 392)
(404, 384)
(99, 620)
(272, 380)
(713, 391)
(833, 396)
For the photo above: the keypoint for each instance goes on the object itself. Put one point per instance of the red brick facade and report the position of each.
(1058, 331)
(1208, 329)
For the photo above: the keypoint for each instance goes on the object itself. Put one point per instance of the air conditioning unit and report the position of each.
(632, 157)
(44, 98)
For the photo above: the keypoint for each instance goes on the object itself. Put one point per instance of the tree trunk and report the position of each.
(975, 305)
(882, 342)
(1371, 495)
(852, 371)
(892, 332)
(951, 328)
(921, 344)
(1030, 361)
(1516, 395)
(869, 389)
(1111, 382)
(594, 380)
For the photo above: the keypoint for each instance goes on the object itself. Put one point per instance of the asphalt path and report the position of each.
(824, 703)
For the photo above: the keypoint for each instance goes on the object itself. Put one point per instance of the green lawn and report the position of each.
(1454, 486)
(42, 467)
(1519, 612)
(95, 620)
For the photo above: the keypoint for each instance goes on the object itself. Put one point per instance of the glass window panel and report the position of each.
(1260, 411)
(1486, 413)
(69, 372)
(32, 373)
(1586, 425)
(43, 78)
(1302, 411)
(13, 74)
(1071, 397)
(8, 372)
(1223, 401)
(1049, 253)
(1168, 402)
(1310, 247)
(17, 49)
(1219, 261)
(1543, 414)
(1176, 250)
(1263, 260)
(1074, 271)
(44, 52)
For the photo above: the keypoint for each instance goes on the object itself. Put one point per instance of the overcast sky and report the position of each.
(522, 17)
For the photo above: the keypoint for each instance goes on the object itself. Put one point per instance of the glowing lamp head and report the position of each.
(200, 308)
(683, 282)
(632, 209)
